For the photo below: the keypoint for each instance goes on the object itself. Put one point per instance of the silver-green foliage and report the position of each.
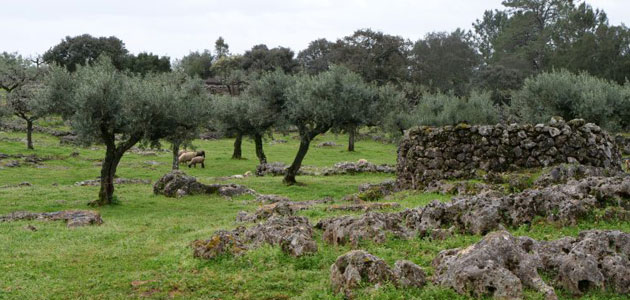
(570, 96)
(445, 109)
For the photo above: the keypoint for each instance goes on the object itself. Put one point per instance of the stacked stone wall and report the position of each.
(427, 154)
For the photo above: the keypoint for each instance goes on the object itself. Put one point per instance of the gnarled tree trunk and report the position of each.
(175, 149)
(238, 153)
(292, 171)
(108, 171)
(259, 149)
(306, 137)
(29, 134)
(352, 130)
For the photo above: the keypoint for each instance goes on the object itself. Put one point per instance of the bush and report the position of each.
(444, 109)
(571, 96)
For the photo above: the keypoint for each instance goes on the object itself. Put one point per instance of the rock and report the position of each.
(280, 208)
(12, 164)
(364, 206)
(596, 259)
(371, 226)
(359, 267)
(328, 144)
(273, 142)
(73, 218)
(177, 183)
(563, 204)
(343, 168)
(30, 227)
(565, 172)
(497, 266)
(294, 234)
(96, 182)
(269, 199)
(370, 192)
(274, 169)
(409, 274)
(222, 242)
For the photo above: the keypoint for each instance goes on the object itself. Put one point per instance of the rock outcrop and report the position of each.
(73, 218)
(360, 267)
(564, 204)
(501, 264)
(178, 184)
(293, 234)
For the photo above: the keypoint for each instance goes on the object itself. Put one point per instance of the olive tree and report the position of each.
(190, 109)
(18, 79)
(229, 115)
(316, 103)
(107, 106)
(268, 97)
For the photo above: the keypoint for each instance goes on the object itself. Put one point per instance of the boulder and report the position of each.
(359, 267)
(497, 266)
(178, 184)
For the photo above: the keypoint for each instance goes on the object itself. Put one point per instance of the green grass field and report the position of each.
(142, 248)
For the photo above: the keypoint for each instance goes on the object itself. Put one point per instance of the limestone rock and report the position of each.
(73, 218)
(178, 184)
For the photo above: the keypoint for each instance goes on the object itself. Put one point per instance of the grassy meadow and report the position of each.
(142, 249)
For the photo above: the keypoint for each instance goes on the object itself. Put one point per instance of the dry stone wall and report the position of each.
(427, 154)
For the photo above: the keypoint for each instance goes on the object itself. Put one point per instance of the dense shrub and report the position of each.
(444, 109)
(570, 96)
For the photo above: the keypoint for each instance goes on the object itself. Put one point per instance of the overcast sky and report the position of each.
(176, 27)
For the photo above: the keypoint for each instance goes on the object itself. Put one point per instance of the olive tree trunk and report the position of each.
(113, 154)
(260, 153)
(305, 140)
(238, 153)
(352, 130)
(108, 171)
(175, 149)
(289, 177)
(29, 134)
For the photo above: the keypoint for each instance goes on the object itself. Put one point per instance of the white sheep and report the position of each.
(197, 160)
(187, 156)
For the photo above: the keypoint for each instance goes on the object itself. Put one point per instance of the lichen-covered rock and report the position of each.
(364, 206)
(496, 266)
(409, 274)
(427, 154)
(294, 234)
(281, 208)
(563, 173)
(343, 168)
(270, 199)
(359, 267)
(386, 187)
(274, 169)
(371, 226)
(594, 260)
(178, 184)
(73, 218)
(222, 242)
(564, 203)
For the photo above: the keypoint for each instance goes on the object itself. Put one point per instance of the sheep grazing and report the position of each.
(180, 152)
(197, 160)
(187, 156)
